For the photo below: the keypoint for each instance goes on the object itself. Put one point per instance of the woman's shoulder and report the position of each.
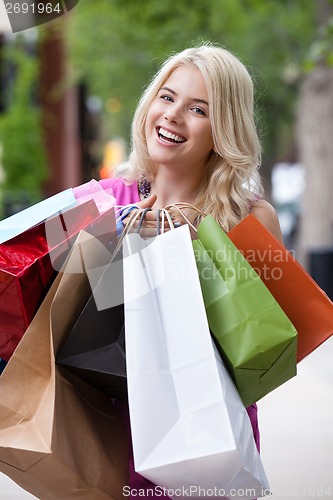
(125, 191)
(266, 214)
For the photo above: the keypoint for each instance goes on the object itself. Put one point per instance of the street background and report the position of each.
(66, 103)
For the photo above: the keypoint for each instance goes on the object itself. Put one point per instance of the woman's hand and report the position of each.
(149, 226)
(149, 223)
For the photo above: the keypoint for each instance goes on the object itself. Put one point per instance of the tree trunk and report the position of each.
(315, 148)
(60, 115)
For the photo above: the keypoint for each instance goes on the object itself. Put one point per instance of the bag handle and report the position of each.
(161, 215)
(158, 222)
(179, 206)
(143, 215)
(182, 204)
(131, 219)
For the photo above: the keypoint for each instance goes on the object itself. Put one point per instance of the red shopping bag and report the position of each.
(304, 302)
(28, 265)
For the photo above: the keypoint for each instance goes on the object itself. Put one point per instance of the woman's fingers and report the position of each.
(150, 226)
(147, 202)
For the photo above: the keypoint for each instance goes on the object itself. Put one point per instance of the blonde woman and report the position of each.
(194, 140)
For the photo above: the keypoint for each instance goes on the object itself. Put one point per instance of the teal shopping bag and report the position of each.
(255, 337)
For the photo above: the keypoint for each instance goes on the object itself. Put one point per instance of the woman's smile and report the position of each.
(169, 137)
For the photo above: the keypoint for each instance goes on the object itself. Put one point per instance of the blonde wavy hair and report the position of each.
(231, 181)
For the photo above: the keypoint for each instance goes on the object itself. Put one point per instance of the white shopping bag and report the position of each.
(31, 216)
(190, 430)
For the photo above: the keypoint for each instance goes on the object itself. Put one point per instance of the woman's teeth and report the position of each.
(169, 136)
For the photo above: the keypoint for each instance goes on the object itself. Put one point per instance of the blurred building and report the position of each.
(70, 126)
(114, 154)
(288, 182)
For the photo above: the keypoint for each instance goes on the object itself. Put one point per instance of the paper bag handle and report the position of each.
(161, 215)
(180, 205)
(131, 218)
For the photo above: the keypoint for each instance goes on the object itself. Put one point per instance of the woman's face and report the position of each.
(178, 131)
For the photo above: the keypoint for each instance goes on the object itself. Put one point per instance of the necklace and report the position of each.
(144, 187)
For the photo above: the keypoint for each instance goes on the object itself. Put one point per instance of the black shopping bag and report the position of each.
(95, 348)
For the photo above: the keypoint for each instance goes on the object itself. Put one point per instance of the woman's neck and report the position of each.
(171, 188)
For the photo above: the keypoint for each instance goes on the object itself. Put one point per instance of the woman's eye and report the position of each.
(199, 111)
(166, 98)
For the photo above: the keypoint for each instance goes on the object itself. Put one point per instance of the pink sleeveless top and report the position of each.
(124, 193)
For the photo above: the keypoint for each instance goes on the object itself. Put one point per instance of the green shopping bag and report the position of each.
(255, 337)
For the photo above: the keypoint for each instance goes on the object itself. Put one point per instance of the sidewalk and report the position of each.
(296, 422)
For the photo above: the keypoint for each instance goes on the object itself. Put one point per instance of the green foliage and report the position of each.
(116, 46)
(321, 50)
(23, 154)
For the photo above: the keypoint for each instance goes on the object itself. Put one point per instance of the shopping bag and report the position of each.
(256, 339)
(189, 427)
(93, 190)
(25, 219)
(304, 302)
(95, 348)
(59, 440)
(28, 265)
(2, 365)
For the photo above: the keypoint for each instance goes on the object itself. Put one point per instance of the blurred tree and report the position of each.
(314, 136)
(23, 154)
(129, 39)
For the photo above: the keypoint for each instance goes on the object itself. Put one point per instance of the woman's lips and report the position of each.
(168, 137)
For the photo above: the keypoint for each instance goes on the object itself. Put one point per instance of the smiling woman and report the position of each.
(194, 140)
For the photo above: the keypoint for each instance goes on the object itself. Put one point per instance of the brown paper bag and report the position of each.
(59, 440)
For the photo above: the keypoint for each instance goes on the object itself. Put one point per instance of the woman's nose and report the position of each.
(173, 114)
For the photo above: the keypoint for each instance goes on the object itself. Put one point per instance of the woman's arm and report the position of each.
(267, 215)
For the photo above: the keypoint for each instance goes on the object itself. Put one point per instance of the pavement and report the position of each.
(296, 422)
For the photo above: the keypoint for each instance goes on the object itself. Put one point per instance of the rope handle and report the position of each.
(161, 215)
(143, 215)
(131, 219)
(130, 214)
(167, 216)
(180, 205)
(158, 222)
